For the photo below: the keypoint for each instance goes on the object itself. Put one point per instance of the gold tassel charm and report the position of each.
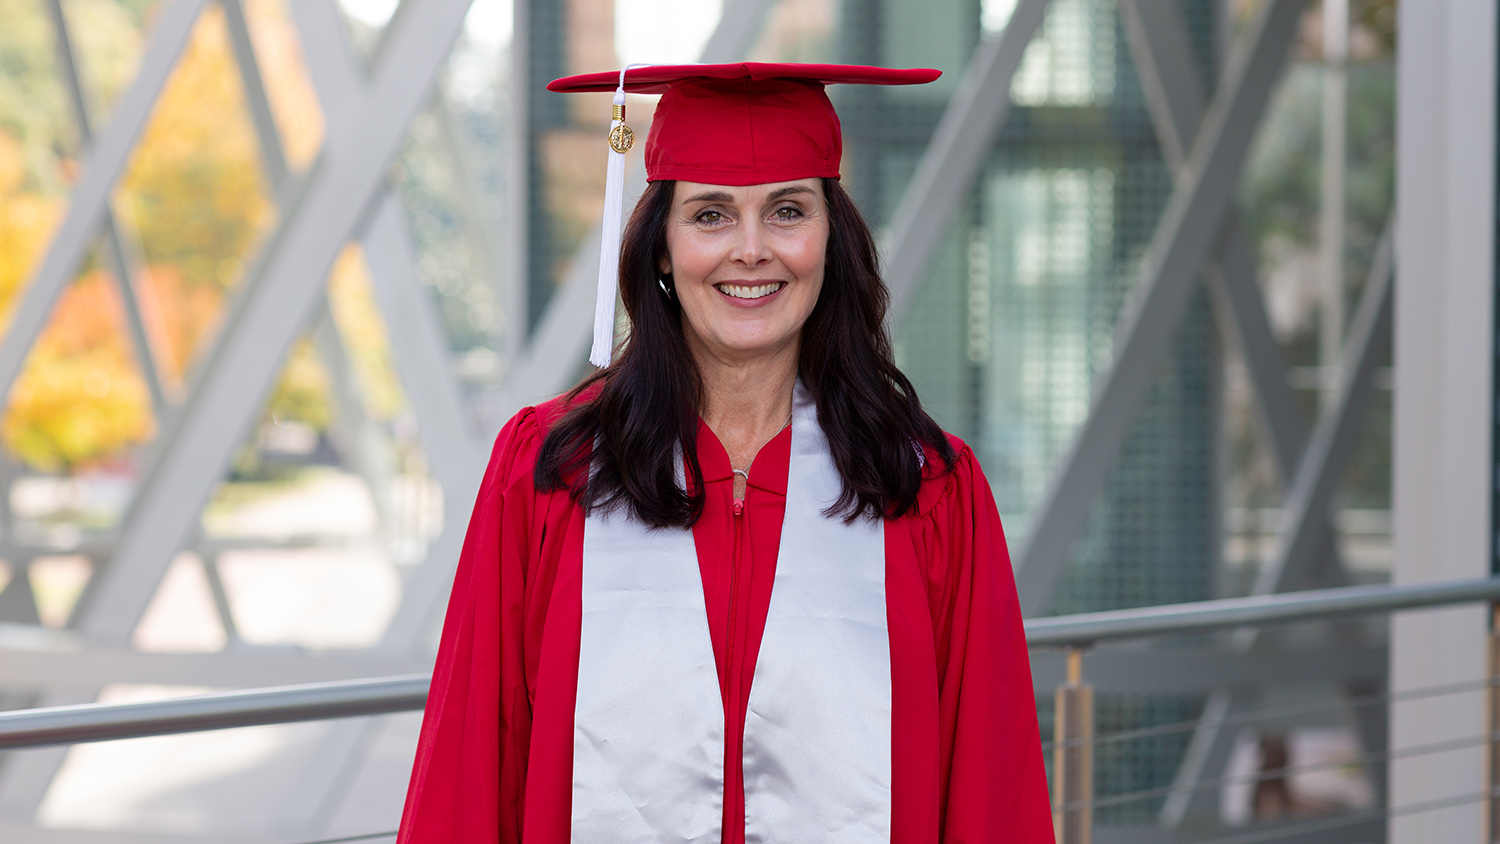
(621, 137)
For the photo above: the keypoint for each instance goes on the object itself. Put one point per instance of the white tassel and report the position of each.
(620, 141)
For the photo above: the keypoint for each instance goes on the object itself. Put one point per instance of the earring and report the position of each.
(667, 291)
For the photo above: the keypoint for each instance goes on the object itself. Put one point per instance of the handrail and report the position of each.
(1259, 611)
(382, 695)
(252, 707)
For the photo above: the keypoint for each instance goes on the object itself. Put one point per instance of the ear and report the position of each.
(664, 266)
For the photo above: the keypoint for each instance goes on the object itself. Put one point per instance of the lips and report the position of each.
(747, 291)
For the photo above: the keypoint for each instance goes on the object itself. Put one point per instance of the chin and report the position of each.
(753, 346)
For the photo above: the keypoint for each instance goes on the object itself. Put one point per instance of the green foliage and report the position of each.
(33, 104)
(1378, 17)
(1283, 176)
(107, 44)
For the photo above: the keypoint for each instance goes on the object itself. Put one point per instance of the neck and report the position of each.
(746, 403)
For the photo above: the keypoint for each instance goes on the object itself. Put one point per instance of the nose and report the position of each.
(751, 249)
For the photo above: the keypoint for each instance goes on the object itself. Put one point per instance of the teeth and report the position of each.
(739, 291)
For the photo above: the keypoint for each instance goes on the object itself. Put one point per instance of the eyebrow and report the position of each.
(788, 191)
(721, 196)
(712, 196)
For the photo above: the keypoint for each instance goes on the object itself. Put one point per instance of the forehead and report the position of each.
(685, 192)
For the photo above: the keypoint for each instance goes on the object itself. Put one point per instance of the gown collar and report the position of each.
(768, 472)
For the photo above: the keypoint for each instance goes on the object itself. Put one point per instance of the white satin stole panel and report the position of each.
(648, 727)
(649, 724)
(818, 730)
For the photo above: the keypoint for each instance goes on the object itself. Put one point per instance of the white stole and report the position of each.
(648, 728)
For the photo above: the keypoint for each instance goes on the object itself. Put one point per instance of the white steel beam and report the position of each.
(515, 223)
(558, 347)
(1169, 76)
(959, 147)
(1333, 194)
(739, 25)
(419, 349)
(1321, 470)
(1189, 229)
(1443, 482)
(481, 233)
(362, 442)
(18, 600)
(456, 455)
(1237, 297)
(257, 102)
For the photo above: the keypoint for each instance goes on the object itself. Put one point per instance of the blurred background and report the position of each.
(274, 273)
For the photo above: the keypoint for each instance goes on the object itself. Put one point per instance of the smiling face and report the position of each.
(747, 264)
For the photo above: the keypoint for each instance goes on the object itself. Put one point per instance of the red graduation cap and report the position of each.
(742, 124)
(747, 123)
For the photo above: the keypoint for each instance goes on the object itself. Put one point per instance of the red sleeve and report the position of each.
(994, 783)
(469, 773)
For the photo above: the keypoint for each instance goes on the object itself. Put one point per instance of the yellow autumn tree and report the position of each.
(27, 218)
(195, 193)
(197, 199)
(80, 400)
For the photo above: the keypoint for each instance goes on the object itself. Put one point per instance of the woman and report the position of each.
(737, 586)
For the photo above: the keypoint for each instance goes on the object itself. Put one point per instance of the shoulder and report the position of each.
(943, 487)
(514, 453)
(956, 530)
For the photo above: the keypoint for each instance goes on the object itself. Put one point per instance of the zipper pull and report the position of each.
(739, 506)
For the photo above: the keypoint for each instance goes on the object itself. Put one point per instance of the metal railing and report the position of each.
(253, 707)
(1072, 747)
(1075, 741)
(1262, 611)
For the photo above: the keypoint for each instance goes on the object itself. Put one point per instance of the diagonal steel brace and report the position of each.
(1184, 239)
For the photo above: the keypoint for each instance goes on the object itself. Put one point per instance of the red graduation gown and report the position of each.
(494, 762)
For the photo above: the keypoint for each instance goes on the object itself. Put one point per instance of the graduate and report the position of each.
(737, 586)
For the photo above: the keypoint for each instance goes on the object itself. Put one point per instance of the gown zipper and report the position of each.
(734, 582)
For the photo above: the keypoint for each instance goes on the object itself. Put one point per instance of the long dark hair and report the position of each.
(632, 418)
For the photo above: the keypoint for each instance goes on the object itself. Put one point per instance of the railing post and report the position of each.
(1073, 756)
(1492, 726)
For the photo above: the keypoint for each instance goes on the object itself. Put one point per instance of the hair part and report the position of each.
(612, 447)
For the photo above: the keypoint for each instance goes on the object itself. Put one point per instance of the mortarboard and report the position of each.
(726, 124)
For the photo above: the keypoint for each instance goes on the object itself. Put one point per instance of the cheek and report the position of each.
(814, 291)
(691, 258)
(810, 289)
(808, 260)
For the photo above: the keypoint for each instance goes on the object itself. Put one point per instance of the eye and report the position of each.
(788, 212)
(709, 216)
